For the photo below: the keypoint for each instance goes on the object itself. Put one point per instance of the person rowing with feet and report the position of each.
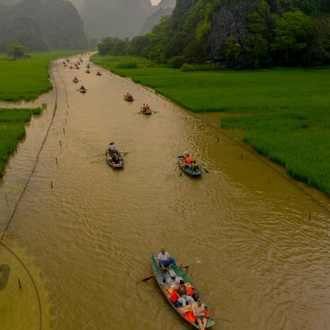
(165, 260)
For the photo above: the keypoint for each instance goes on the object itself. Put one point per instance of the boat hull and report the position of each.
(109, 156)
(166, 281)
(196, 172)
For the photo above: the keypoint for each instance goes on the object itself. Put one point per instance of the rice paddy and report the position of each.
(23, 79)
(283, 114)
(12, 130)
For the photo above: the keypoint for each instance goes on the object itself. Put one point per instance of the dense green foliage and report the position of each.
(41, 25)
(27, 79)
(15, 50)
(283, 114)
(279, 33)
(12, 130)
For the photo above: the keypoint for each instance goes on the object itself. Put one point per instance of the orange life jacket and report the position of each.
(188, 160)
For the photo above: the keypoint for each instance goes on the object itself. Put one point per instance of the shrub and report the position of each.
(187, 67)
(176, 62)
(127, 65)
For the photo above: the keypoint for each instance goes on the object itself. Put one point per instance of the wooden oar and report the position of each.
(148, 278)
(204, 169)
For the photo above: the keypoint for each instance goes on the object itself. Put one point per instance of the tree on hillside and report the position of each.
(293, 35)
(230, 50)
(16, 50)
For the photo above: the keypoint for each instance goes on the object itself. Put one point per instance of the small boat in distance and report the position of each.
(98, 73)
(128, 98)
(75, 80)
(168, 281)
(195, 170)
(109, 155)
(87, 71)
(145, 111)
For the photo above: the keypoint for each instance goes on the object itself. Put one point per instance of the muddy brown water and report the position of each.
(258, 242)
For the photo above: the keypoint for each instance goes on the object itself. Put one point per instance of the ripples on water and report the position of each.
(265, 264)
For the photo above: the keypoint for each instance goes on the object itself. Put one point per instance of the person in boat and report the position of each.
(144, 107)
(164, 259)
(115, 159)
(186, 161)
(184, 298)
(128, 95)
(185, 155)
(112, 148)
(199, 312)
(82, 88)
(194, 166)
(75, 78)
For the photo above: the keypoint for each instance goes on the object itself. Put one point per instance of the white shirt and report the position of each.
(164, 256)
(112, 147)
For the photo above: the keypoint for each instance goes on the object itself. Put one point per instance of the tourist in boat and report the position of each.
(186, 161)
(185, 155)
(128, 95)
(115, 159)
(75, 78)
(82, 87)
(194, 166)
(112, 147)
(183, 293)
(164, 259)
(199, 312)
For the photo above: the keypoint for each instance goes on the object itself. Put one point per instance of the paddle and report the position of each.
(154, 111)
(204, 169)
(195, 262)
(148, 278)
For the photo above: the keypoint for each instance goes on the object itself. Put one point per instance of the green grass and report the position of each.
(12, 130)
(20, 80)
(284, 114)
(26, 79)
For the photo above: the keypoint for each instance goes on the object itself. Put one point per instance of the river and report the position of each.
(79, 233)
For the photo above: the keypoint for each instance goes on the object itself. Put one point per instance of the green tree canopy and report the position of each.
(15, 49)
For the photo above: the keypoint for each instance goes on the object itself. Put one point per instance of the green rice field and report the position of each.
(26, 79)
(12, 130)
(20, 80)
(283, 114)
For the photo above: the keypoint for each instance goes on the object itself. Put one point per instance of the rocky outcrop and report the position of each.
(231, 22)
(154, 19)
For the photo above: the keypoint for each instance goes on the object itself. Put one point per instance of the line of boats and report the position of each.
(168, 279)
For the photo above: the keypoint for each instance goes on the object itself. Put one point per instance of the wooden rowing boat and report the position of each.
(146, 112)
(82, 90)
(196, 172)
(109, 156)
(98, 73)
(169, 279)
(129, 98)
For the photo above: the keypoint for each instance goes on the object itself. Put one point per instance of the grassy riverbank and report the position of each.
(22, 80)
(283, 114)
(26, 79)
(12, 130)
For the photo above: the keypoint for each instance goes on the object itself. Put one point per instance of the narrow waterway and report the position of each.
(79, 237)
